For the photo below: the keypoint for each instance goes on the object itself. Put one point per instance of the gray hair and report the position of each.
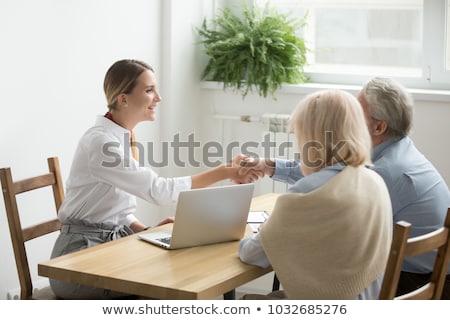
(390, 101)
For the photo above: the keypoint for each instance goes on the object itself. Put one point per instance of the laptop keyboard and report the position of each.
(165, 240)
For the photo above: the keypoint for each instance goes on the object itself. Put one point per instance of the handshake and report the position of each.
(247, 169)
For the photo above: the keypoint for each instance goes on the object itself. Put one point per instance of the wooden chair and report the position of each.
(402, 248)
(19, 235)
(275, 283)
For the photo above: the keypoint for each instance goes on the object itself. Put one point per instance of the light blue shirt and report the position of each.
(418, 193)
(251, 250)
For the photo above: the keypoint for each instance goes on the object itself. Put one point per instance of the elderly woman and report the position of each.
(329, 236)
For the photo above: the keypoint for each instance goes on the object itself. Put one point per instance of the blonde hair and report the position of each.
(330, 128)
(121, 78)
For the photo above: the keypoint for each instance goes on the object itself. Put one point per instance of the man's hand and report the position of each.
(165, 221)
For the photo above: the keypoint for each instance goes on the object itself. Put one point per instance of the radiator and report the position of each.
(284, 146)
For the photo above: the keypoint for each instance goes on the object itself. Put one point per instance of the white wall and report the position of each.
(431, 133)
(54, 56)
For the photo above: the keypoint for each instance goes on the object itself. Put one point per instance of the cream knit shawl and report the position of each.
(333, 242)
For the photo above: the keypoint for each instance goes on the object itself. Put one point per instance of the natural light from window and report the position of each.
(361, 36)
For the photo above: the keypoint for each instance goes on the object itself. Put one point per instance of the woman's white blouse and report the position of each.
(104, 179)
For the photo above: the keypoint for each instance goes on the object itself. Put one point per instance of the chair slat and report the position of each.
(423, 293)
(41, 229)
(417, 246)
(34, 183)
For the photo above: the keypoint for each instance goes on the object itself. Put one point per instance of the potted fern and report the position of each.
(258, 50)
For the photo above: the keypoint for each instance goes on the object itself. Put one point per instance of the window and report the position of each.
(351, 40)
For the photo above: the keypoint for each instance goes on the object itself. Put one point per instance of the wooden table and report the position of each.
(133, 266)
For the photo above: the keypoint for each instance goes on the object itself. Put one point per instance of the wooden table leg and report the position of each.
(230, 295)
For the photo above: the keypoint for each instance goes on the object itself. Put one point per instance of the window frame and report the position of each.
(435, 75)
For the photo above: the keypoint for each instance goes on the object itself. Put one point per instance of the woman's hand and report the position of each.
(165, 221)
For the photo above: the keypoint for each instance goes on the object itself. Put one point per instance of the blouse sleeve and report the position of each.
(109, 163)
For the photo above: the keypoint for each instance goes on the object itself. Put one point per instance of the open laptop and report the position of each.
(206, 216)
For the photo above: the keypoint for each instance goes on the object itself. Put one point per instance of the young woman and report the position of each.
(105, 179)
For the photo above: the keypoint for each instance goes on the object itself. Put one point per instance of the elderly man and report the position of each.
(418, 193)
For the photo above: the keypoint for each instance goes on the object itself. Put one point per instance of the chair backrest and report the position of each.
(403, 247)
(19, 235)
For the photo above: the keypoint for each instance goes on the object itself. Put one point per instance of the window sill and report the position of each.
(306, 88)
